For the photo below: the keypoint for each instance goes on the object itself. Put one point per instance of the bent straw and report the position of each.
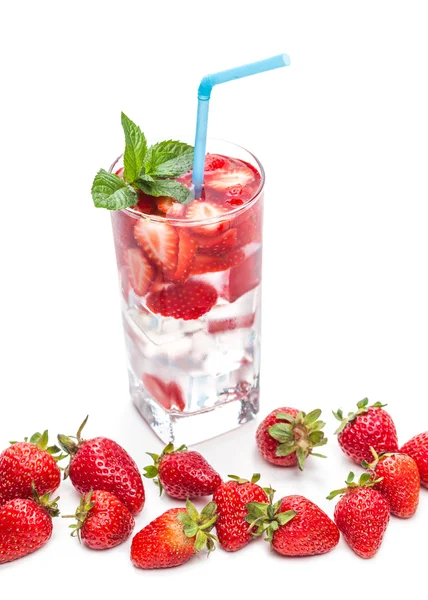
(204, 94)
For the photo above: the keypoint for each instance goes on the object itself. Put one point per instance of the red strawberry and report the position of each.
(249, 226)
(167, 394)
(101, 464)
(295, 526)
(26, 463)
(287, 436)
(232, 498)
(218, 244)
(159, 241)
(215, 161)
(398, 480)
(165, 203)
(368, 427)
(244, 277)
(25, 526)
(362, 515)
(186, 301)
(417, 448)
(102, 521)
(145, 204)
(201, 210)
(186, 255)
(140, 270)
(204, 263)
(225, 325)
(223, 179)
(174, 537)
(182, 473)
(176, 211)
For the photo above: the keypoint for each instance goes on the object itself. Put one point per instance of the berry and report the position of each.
(25, 526)
(145, 204)
(368, 427)
(183, 473)
(417, 448)
(398, 480)
(214, 162)
(287, 436)
(232, 498)
(26, 463)
(159, 241)
(102, 521)
(101, 464)
(224, 179)
(294, 526)
(362, 515)
(186, 255)
(186, 301)
(249, 226)
(140, 270)
(174, 537)
(167, 394)
(204, 263)
(165, 203)
(218, 244)
(201, 210)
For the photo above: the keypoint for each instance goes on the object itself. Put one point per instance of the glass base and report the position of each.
(234, 407)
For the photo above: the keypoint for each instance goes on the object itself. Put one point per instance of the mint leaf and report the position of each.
(135, 149)
(166, 187)
(111, 192)
(169, 159)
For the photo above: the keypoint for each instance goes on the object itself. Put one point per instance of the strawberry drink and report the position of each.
(190, 274)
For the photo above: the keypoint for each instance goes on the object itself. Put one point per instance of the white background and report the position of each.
(343, 135)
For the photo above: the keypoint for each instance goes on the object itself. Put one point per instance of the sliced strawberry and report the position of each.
(140, 270)
(250, 229)
(159, 241)
(244, 277)
(200, 210)
(168, 394)
(217, 245)
(224, 325)
(225, 179)
(205, 263)
(214, 162)
(186, 301)
(159, 283)
(176, 211)
(186, 255)
(145, 204)
(165, 203)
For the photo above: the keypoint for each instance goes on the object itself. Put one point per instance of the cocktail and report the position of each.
(189, 264)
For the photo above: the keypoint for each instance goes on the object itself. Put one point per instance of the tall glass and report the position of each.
(194, 376)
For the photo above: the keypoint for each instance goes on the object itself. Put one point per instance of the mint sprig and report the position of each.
(149, 169)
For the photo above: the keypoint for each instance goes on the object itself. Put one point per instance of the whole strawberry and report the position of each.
(182, 473)
(25, 526)
(101, 464)
(232, 498)
(174, 537)
(287, 436)
(362, 515)
(28, 462)
(368, 427)
(102, 521)
(417, 448)
(398, 480)
(295, 526)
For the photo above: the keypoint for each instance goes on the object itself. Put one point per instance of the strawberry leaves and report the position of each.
(149, 169)
(362, 408)
(199, 525)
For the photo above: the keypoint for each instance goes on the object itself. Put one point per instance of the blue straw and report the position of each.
(204, 94)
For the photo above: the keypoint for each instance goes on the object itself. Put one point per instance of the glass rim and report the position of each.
(135, 214)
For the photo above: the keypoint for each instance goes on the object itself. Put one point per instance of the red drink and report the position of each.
(190, 276)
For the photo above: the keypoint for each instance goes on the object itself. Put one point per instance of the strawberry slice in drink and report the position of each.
(141, 272)
(167, 394)
(185, 301)
(213, 162)
(159, 241)
(218, 244)
(249, 226)
(223, 180)
(244, 277)
(205, 263)
(200, 210)
(186, 255)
